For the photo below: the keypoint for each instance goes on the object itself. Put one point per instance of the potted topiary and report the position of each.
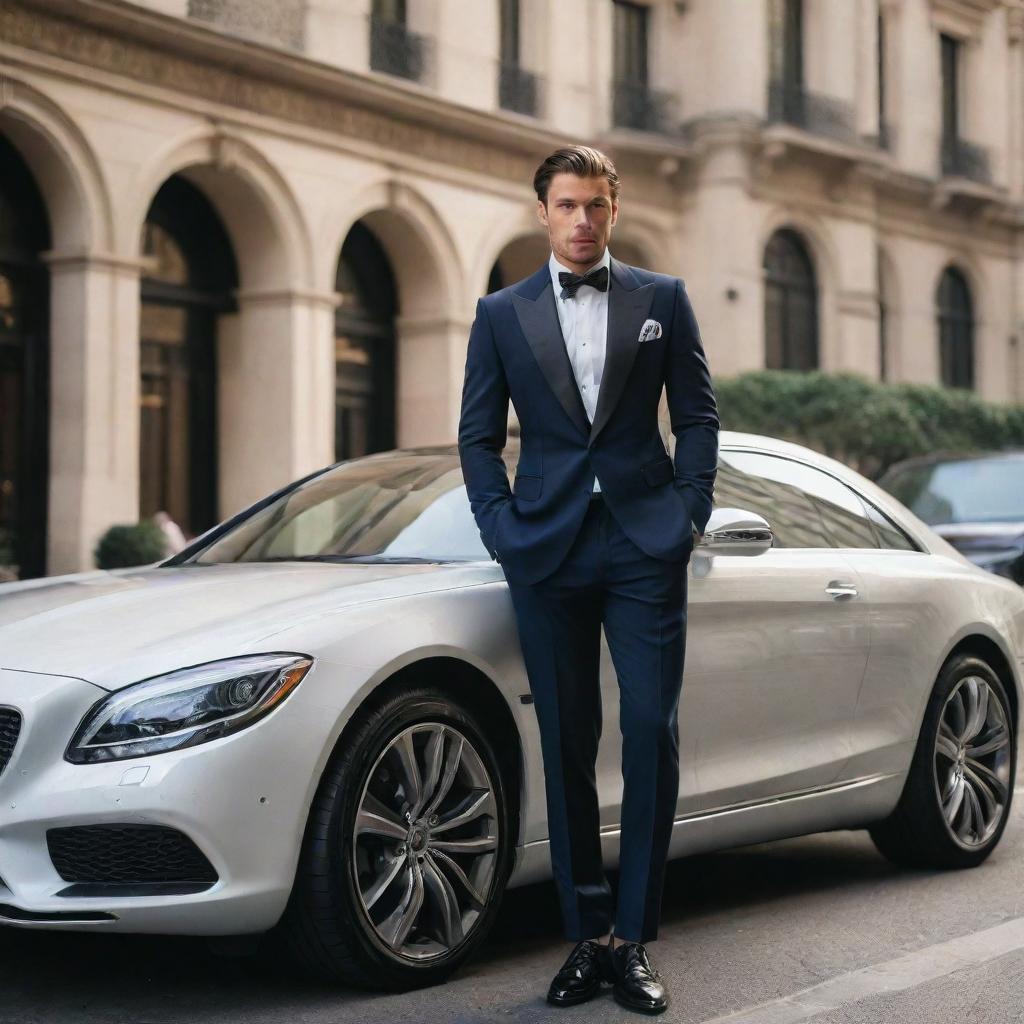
(128, 544)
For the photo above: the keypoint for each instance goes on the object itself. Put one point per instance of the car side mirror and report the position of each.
(735, 531)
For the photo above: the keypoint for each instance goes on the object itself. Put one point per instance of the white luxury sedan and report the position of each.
(315, 719)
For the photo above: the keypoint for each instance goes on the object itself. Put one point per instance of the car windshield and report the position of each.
(985, 490)
(401, 507)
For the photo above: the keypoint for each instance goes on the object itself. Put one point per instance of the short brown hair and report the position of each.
(582, 161)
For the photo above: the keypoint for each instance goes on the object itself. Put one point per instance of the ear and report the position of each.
(615, 211)
(542, 213)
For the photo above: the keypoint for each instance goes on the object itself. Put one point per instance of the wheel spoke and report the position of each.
(977, 707)
(999, 739)
(378, 820)
(475, 844)
(396, 926)
(974, 819)
(439, 857)
(946, 745)
(395, 867)
(988, 778)
(957, 715)
(443, 896)
(434, 759)
(451, 766)
(987, 795)
(478, 803)
(412, 781)
(951, 805)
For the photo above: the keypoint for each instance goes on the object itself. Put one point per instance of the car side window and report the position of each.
(742, 483)
(890, 536)
(838, 517)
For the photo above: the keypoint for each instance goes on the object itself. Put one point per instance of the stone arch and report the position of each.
(64, 166)
(418, 243)
(259, 209)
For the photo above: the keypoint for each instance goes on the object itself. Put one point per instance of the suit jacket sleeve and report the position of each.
(483, 428)
(693, 412)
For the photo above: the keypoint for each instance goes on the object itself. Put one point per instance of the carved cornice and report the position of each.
(197, 62)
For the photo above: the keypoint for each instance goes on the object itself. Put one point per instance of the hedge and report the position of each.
(864, 423)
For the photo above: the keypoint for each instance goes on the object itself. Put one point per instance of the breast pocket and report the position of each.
(527, 488)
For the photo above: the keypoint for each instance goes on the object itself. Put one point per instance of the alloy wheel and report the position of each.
(972, 761)
(425, 842)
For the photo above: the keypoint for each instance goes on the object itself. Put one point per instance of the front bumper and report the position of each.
(242, 800)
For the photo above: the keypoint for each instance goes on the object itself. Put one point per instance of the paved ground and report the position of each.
(820, 929)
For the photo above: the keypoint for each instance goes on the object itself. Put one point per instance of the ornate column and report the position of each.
(431, 367)
(276, 396)
(94, 402)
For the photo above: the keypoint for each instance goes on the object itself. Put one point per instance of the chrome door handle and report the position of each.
(840, 589)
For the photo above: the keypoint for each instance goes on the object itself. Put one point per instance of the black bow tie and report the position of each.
(571, 283)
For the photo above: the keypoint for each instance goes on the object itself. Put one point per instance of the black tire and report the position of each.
(917, 833)
(326, 927)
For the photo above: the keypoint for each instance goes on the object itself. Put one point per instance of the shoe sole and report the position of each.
(573, 1000)
(642, 1007)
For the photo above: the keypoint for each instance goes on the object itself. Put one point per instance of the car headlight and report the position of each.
(186, 707)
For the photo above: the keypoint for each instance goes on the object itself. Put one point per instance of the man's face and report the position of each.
(579, 216)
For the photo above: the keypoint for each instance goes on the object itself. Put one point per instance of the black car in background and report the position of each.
(976, 502)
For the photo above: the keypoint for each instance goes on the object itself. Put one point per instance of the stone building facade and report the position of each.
(240, 240)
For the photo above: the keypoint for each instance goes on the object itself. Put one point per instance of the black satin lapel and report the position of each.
(627, 311)
(539, 322)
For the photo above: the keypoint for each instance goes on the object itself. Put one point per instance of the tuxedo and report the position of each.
(596, 531)
(516, 351)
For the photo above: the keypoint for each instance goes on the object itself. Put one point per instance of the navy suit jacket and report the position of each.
(516, 352)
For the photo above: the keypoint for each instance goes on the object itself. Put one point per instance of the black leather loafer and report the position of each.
(638, 985)
(580, 977)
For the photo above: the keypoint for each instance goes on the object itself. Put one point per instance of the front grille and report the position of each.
(127, 854)
(10, 726)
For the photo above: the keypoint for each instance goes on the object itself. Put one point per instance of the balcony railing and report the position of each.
(636, 106)
(821, 115)
(518, 89)
(965, 160)
(397, 51)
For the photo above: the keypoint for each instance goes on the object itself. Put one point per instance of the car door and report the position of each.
(777, 644)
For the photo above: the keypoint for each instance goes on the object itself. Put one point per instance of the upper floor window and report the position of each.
(950, 56)
(883, 122)
(518, 89)
(635, 105)
(393, 48)
(956, 330)
(786, 29)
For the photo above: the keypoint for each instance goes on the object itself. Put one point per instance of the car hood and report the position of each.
(112, 628)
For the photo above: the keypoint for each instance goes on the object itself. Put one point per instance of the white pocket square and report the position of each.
(651, 329)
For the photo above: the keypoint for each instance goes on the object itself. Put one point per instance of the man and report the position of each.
(597, 530)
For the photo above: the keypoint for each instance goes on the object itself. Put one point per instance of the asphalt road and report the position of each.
(819, 928)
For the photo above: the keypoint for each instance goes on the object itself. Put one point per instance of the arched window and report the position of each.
(364, 348)
(190, 283)
(884, 290)
(956, 330)
(791, 304)
(24, 377)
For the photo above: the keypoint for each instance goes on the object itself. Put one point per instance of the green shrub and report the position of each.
(864, 423)
(131, 544)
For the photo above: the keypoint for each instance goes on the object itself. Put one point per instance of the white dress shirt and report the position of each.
(584, 320)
